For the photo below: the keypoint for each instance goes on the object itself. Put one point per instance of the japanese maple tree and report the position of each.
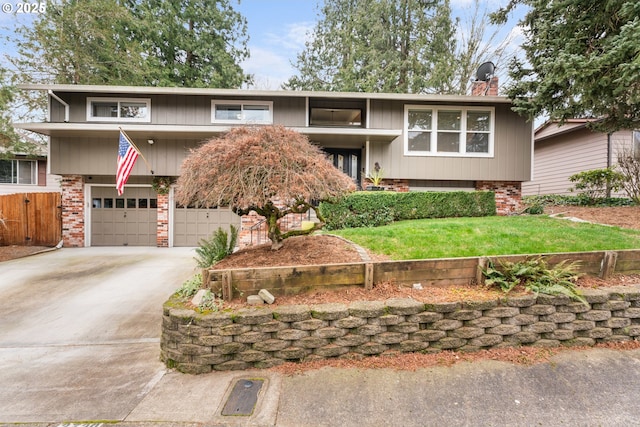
(271, 170)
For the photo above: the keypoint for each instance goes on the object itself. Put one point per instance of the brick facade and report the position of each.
(162, 232)
(508, 195)
(73, 225)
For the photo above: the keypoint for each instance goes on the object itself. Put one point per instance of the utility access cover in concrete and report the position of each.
(243, 398)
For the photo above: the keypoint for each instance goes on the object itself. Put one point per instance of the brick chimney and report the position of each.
(479, 87)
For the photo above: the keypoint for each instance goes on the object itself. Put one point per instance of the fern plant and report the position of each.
(217, 247)
(535, 276)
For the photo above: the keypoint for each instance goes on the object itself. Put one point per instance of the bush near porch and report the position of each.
(373, 209)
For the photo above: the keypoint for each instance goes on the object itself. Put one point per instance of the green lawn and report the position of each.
(462, 237)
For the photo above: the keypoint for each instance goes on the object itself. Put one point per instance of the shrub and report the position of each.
(595, 184)
(217, 247)
(190, 286)
(557, 199)
(629, 163)
(535, 276)
(373, 209)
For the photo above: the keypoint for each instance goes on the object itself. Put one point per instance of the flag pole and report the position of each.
(137, 149)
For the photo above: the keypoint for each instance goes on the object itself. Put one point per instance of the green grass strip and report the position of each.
(463, 237)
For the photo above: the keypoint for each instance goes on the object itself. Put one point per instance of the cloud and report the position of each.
(271, 56)
(294, 38)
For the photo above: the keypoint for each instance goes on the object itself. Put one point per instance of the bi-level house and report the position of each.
(422, 142)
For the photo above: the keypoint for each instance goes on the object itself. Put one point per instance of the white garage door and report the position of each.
(191, 224)
(129, 220)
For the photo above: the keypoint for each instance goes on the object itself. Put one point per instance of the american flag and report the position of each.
(127, 156)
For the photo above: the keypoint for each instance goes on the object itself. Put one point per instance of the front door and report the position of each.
(348, 161)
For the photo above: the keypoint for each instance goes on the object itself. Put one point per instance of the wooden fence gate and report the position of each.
(30, 219)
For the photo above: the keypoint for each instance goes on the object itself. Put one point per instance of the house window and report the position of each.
(119, 110)
(241, 112)
(449, 131)
(18, 172)
(636, 144)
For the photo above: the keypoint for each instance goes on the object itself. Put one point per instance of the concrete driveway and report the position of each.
(79, 335)
(79, 343)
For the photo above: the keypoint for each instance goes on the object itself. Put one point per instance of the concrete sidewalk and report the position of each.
(70, 353)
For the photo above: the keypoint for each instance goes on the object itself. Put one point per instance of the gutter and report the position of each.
(66, 106)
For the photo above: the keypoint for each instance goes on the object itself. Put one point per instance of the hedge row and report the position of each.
(373, 209)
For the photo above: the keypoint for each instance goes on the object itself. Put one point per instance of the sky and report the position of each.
(277, 29)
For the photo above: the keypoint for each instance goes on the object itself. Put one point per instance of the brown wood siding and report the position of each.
(98, 156)
(180, 109)
(511, 161)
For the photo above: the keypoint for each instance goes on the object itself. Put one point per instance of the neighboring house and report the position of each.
(26, 174)
(422, 142)
(562, 151)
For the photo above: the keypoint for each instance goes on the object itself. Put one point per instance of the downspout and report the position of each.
(66, 106)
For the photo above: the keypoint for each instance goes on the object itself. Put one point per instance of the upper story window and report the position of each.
(18, 172)
(341, 117)
(119, 109)
(448, 131)
(260, 112)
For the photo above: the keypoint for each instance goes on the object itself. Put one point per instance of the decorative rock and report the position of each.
(390, 338)
(329, 311)
(443, 307)
(198, 297)
(449, 343)
(541, 327)
(213, 320)
(371, 348)
(502, 312)
(612, 305)
(447, 324)
(521, 319)
(464, 315)
(425, 317)
(486, 340)
(369, 330)
(351, 340)
(411, 345)
(595, 333)
(213, 340)
(349, 322)
(331, 350)
(558, 318)
(292, 353)
(480, 305)
(467, 332)
(234, 329)
(251, 337)
(266, 296)
(254, 300)
(539, 309)
(271, 345)
(404, 306)
(252, 356)
(615, 322)
(579, 325)
(521, 301)
(367, 308)
(554, 299)
(405, 328)
(253, 316)
(232, 365)
(272, 326)
(388, 319)
(484, 322)
(428, 335)
(268, 363)
(291, 334)
(595, 315)
(574, 307)
(310, 342)
(292, 313)
(309, 325)
(329, 332)
(504, 330)
(559, 334)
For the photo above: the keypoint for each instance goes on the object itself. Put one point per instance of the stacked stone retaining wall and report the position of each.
(268, 336)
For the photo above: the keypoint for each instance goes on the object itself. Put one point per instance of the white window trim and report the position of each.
(91, 118)
(434, 131)
(215, 102)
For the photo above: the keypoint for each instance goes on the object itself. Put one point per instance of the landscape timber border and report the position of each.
(292, 280)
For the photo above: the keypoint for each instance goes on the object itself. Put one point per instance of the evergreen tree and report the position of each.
(582, 60)
(403, 46)
(83, 42)
(196, 43)
(191, 43)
